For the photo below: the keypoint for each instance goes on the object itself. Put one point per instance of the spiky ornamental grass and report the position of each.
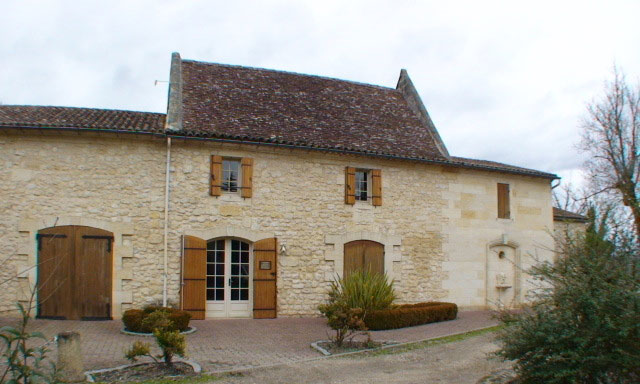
(365, 290)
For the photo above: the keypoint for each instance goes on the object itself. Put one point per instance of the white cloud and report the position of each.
(504, 81)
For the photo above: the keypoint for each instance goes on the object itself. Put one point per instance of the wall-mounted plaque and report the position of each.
(265, 265)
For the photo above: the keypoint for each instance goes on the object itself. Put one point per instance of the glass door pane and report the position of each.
(239, 278)
(215, 270)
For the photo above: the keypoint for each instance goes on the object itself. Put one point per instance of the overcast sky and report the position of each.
(505, 81)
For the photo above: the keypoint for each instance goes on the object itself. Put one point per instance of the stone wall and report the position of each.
(437, 224)
(106, 182)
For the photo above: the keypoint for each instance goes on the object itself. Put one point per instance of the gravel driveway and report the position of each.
(465, 361)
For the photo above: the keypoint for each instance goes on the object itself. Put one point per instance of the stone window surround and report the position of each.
(230, 232)
(504, 241)
(122, 248)
(335, 251)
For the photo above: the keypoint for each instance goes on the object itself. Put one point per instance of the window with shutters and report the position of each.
(362, 185)
(504, 209)
(230, 175)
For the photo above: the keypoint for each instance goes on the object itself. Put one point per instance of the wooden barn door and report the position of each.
(265, 273)
(54, 283)
(194, 276)
(363, 255)
(74, 273)
(93, 273)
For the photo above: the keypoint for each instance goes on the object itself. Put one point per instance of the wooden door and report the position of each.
(265, 273)
(194, 277)
(93, 273)
(54, 283)
(363, 255)
(74, 273)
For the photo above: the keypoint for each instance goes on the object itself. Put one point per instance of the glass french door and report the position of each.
(229, 271)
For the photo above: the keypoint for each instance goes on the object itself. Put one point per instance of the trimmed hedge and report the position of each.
(409, 315)
(133, 318)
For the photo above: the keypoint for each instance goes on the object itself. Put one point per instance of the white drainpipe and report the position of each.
(166, 223)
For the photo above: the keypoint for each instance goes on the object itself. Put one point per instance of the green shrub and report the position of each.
(347, 322)
(158, 320)
(365, 290)
(134, 319)
(180, 320)
(583, 325)
(409, 315)
(170, 341)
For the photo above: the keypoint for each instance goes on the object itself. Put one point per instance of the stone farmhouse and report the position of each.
(253, 192)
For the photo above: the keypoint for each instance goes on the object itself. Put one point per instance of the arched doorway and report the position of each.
(229, 277)
(74, 273)
(229, 284)
(363, 255)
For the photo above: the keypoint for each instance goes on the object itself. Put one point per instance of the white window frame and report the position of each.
(238, 181)
(367, 173)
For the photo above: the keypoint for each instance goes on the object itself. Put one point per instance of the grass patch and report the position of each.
(429, 343)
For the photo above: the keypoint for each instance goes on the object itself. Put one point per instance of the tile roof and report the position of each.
(225, 102)
(562, 215)
(495, 166)
(20, 116)
(265, 105)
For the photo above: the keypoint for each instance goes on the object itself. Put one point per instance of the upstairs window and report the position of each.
(362, 185)
(230, 175)
(504, 210)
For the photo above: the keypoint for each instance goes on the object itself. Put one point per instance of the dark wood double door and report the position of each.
(74, 273)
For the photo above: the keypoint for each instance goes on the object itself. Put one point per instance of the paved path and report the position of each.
(460, 362)
(240, 343)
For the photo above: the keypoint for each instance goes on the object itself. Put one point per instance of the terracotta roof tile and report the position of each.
(21, 116)
(563, 215)
(265, 105)
(492, 165)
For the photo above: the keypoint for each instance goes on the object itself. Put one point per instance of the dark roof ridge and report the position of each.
(293, 73)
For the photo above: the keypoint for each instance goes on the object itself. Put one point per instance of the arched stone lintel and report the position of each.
(230, 231)
(29, 227)
(391, 244)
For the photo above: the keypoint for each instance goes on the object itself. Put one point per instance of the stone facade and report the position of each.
(438, 224)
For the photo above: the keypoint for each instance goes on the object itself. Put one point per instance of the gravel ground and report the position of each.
(460, 362)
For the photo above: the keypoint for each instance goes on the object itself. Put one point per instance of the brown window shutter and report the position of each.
(376, 187)
(216, 175)
(247, 177)
(350, 185)
(194, 277)
(503, 201)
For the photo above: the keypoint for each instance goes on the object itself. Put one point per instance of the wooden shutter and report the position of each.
(194, 276)
(216, 176)
(503, 201)
(350, 185)
(376, 187)
(247, 177)
(265, 273)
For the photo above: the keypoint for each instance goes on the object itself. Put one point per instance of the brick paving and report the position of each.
(229, 344)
